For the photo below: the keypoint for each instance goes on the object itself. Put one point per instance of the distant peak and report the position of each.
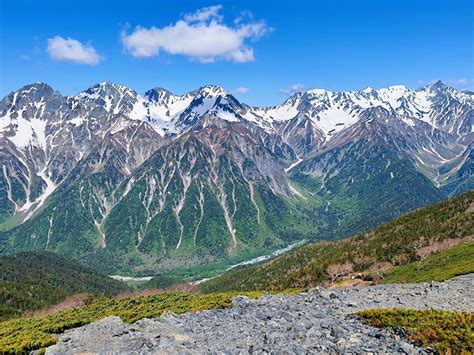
(38, 85)
(115, 85)
(438, 85)
(213, 90)
(317, 91)
(157, 93)
(367, 90)
(397, 88)
(159, 89)
(108, 86)
(212, 86)
(104, 84)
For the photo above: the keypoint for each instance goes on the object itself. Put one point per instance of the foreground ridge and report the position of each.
(317, 321)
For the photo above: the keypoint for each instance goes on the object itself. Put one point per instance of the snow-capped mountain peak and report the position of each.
(367, 90)
(318, 92)
(111, 97)
(438, 85)
(158, 94)
(24, 114)
(329, 111)
(211, 91)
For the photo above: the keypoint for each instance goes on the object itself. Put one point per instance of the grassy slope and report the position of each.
(447, 332)
(34, 280)
(394, 243)
(458, 260)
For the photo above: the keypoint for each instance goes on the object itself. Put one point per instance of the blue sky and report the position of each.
(260, 50)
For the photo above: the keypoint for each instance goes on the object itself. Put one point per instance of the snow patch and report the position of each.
(295, 191)
(131, 278)
(292, 165)
(334, 119)
(50, 187)
(227, 116)
(28, 131)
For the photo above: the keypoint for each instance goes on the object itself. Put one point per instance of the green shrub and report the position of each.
(458, 260)
(447, 332)
(35, 280)
(26, 334)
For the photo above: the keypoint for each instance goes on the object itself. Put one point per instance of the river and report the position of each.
(243, 263)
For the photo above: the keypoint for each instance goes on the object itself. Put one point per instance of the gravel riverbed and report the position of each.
(318, 321)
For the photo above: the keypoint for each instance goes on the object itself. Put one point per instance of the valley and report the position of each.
(245, 177)
(397, 277)
(419, 246)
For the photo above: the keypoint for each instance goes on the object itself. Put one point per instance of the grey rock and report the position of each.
(274, 324)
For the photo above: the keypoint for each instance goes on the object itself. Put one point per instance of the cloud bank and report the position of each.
(289, 90)
(201, 36)
(240, 90)
(71, 50)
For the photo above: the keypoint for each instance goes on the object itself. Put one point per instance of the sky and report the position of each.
(261, 51)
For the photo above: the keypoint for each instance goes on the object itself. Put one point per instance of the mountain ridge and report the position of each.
(321, 159)
(35, 280)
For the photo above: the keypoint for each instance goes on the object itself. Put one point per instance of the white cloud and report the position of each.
(244, 15)
(241, 90)
(204, 14)
(292, 89)
(427, 82)
(71, 50)
(201, 36)
(465, 83)
(461, 81)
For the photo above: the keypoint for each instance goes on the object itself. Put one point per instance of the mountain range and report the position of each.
(131, 182)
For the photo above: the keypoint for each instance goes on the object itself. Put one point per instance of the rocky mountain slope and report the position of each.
(317, 321)
(161, 180)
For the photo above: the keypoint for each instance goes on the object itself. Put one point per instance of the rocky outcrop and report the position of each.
(319, 321)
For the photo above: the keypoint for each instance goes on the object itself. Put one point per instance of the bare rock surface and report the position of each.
(318, 321)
